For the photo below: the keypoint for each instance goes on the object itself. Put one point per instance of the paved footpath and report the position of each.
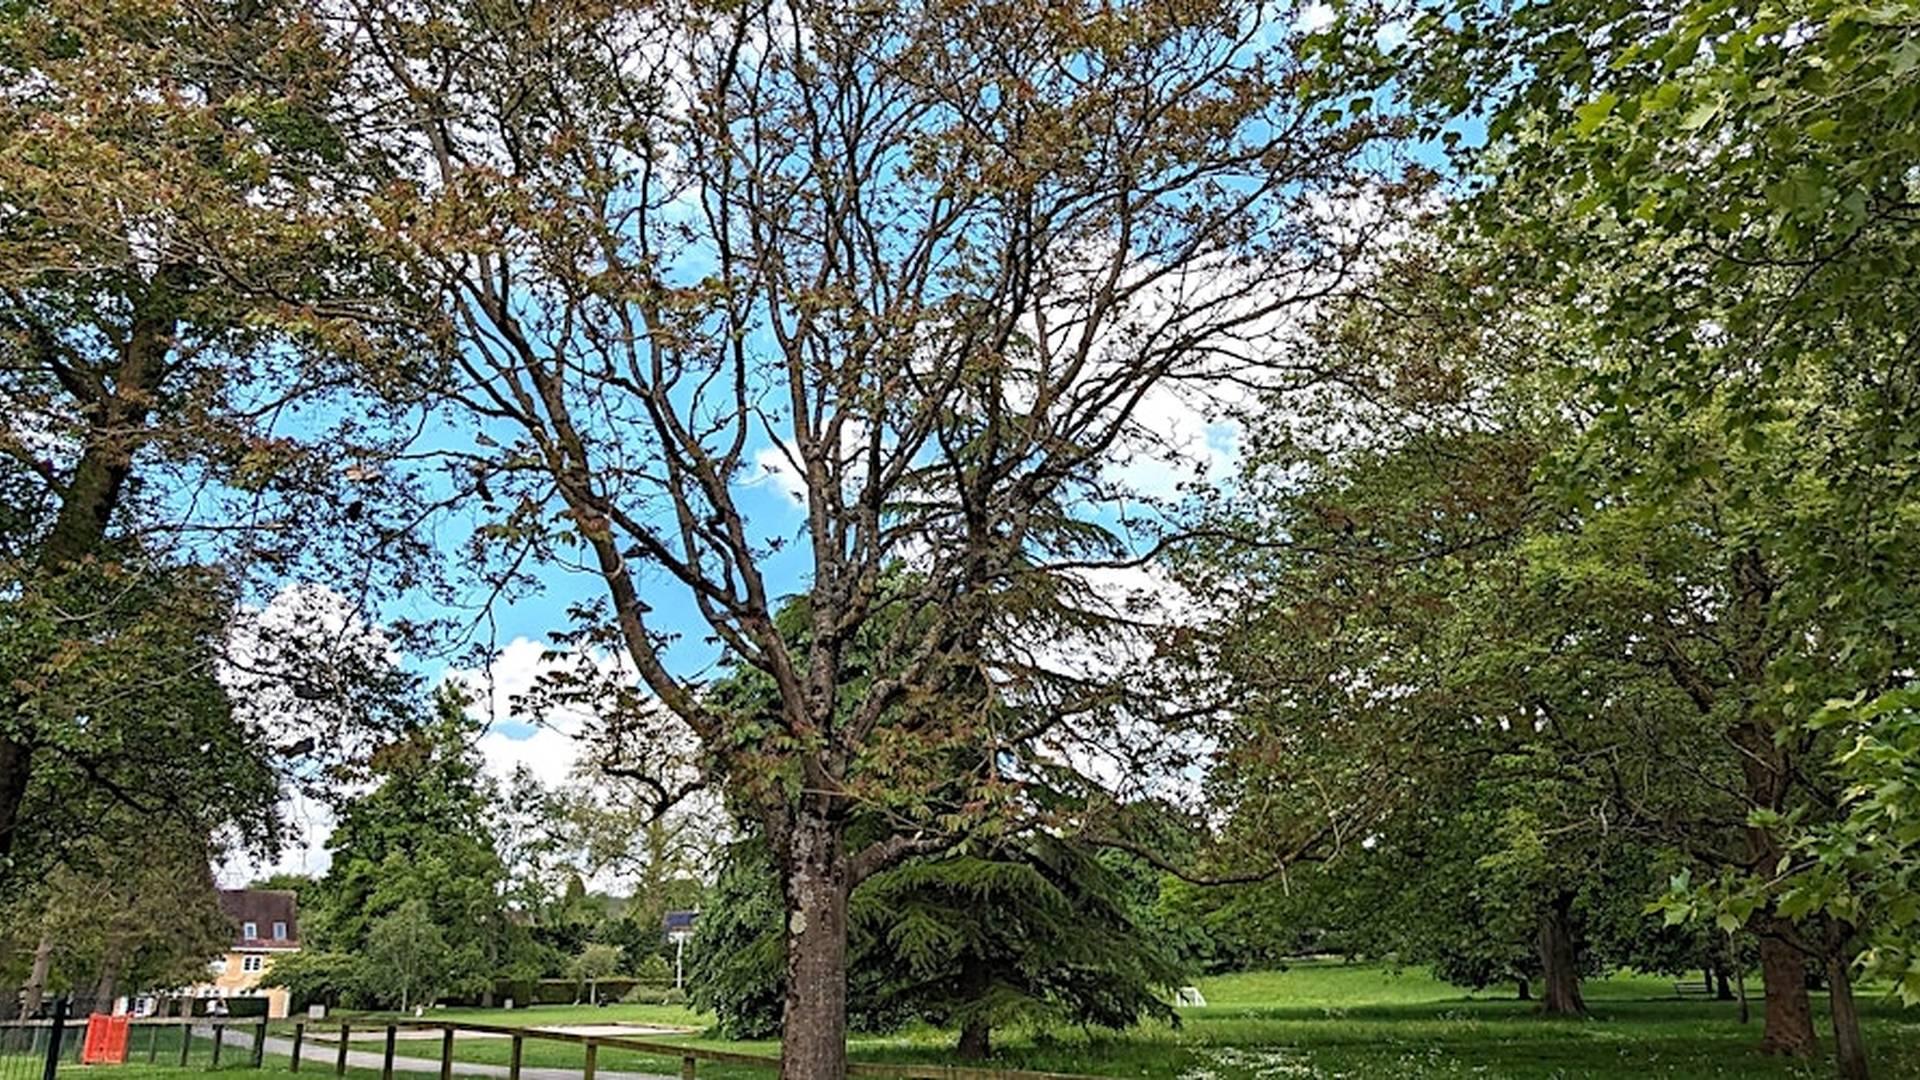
(321, 1056)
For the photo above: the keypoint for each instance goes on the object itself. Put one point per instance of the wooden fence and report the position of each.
(254, 1036)
(689, 1057)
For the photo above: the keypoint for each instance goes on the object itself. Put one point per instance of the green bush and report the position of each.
(643, 994)
(654, 969)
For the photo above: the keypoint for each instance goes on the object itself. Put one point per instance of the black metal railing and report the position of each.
(38, 1049)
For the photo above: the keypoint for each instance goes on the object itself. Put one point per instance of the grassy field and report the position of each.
(1321, 1019)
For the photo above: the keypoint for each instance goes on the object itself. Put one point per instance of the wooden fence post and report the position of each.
(386, 1059)
(299, 1036)
(260, 1043)
(219, 1035)
(446, 1053)
(340, 1060)
(593, 1060)
(513, 1062)
(186, 1039)
(153, 1044)
(686, 1067)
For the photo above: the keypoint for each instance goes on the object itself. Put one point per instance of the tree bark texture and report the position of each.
(813, 1043)
(1789, 1015)
(976, 1032)
(1849, 1049)
(1560, 974)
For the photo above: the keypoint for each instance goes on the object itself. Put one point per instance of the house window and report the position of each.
(249, 931)
(279, 931)
(251, 963)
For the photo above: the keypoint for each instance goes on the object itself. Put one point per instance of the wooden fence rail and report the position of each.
(691, 1056)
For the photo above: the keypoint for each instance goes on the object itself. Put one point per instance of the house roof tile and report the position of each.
(262, 908)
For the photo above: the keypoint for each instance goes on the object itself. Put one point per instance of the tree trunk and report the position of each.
(1765, 770)
(813, 1025)
(1524, 991)
(976, 1039)
(36, 988)
(1723, 986)
(109, 985)
(976, 1032)
(1849, 1049)
(16, 765)
(1783, 975)
(1559, 976)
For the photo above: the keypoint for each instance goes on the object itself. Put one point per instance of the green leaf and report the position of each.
(1700, 116)
(1589, 117)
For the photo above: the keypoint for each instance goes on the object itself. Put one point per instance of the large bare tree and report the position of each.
(922, 260)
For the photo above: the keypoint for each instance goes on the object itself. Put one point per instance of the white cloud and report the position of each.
(307, 825)
(548, 754)
(1177, 435)
(776, 469)
(1313, 18)
(545, 738)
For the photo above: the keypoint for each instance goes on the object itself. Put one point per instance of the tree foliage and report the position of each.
(1034, 930)
(132, 906)
(406, 959)
(182, 425)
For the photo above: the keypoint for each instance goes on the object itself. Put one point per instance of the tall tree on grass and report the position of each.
(922, 260)
(171, 255)
(406, 959)
(421, 836)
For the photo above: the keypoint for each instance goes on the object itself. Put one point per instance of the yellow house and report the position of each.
(265, 925)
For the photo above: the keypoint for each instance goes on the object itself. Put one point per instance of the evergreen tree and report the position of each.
(421, 836)
(1037, 929)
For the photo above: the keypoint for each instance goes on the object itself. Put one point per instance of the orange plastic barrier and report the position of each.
(106, 1040)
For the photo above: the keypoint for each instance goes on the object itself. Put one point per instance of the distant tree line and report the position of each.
(444, 882)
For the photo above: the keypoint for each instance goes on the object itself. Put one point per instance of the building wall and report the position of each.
(234, 980)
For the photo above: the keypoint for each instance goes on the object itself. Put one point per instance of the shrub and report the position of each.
(642, 994)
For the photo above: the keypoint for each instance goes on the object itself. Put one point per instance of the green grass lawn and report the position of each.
(1316, 1019)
